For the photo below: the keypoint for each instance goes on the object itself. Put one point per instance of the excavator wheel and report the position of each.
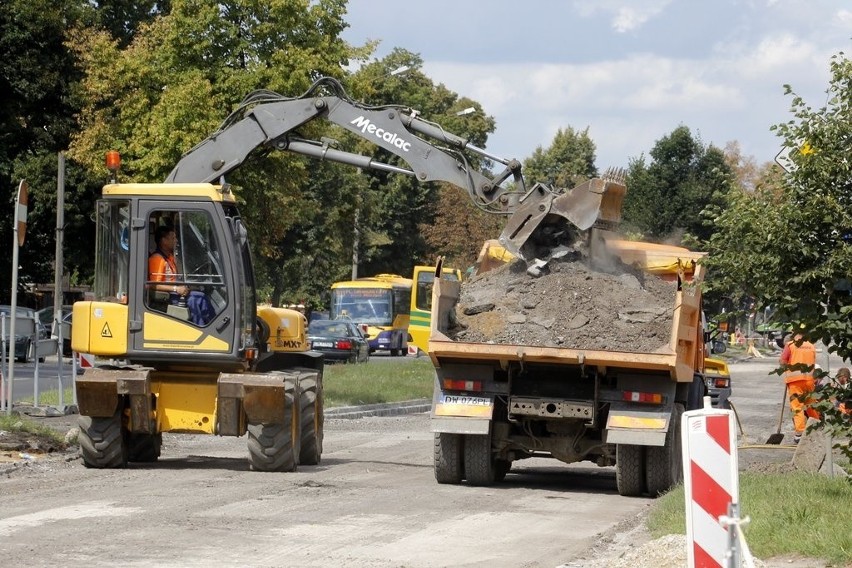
(630, 470)
(664, 465)
(311, 412)
(103, 443)
(145, 447)
(273, 447)
(448, 458)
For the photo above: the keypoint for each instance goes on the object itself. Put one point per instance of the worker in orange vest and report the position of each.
(799, 353)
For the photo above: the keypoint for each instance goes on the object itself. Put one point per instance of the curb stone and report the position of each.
(384, 409)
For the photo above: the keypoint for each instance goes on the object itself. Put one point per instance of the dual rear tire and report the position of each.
(651, 469)
(459, 457)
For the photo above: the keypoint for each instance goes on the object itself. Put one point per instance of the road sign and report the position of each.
(783, 158)
(21, 211)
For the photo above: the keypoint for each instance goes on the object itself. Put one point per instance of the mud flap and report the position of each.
(627, 424)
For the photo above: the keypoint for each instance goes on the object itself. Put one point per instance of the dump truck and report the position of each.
(496, 403)
(191, 351)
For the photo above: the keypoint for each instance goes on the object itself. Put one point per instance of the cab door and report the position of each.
(162, 323)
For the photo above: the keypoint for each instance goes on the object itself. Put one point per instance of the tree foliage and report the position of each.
(789, 243)
(667, 197)
(567, 162)
(37, 82)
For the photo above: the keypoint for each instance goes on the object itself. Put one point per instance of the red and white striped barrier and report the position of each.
(711, 482)
(87, 360)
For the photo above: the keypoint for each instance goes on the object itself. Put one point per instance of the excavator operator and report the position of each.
(162, 266)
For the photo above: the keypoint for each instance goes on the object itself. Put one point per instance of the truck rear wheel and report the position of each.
(103, 443)
(480, 464)
(311, 412)
(448, 458)
(664, 465)
(630, 470)
(144, 447)
(503, 467)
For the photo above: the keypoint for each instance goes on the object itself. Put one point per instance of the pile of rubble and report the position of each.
(567, 303)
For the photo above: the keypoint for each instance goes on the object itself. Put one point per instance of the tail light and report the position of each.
(460, 385)
(648, 397)
(344, 344)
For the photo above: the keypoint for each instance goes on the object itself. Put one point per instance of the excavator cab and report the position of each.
(148, 326)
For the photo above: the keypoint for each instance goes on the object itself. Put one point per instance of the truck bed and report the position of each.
(678, 359)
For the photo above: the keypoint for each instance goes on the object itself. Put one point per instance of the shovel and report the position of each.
(777, 437)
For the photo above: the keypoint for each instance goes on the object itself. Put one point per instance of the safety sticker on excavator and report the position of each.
(105, 332)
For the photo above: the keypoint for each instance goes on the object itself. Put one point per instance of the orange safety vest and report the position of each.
(804, 354)
(161, 268)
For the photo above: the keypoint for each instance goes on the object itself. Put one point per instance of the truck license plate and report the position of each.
(463, 405)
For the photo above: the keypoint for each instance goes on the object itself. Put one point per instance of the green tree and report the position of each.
(667, 197)
(789, 243)
(567, 162)
(37, 82)
(171, 86)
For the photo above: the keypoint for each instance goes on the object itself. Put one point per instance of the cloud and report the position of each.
(843, 18)
(626, 15)
(642, 82)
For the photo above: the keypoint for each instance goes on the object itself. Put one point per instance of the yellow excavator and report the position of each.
(210, 360)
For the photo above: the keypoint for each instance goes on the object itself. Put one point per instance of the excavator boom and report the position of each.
(270, 120)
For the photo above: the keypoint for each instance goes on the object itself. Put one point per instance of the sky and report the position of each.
(631, 71)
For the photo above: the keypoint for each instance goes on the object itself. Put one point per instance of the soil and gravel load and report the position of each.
(568, 304)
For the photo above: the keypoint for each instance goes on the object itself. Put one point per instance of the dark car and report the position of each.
(339, 340)
(45, 316)
(26, 322)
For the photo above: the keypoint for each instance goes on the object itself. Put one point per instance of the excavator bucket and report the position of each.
(541, 213)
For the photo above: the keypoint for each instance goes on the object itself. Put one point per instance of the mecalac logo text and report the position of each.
(392, 138)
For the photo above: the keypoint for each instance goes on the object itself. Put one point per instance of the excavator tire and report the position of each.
(274, 447)
(663, 464)
(145, 447)
(448, 458)
(271, 447)
(480, 463)
(630, 470)
(311, 412)
(103, 443)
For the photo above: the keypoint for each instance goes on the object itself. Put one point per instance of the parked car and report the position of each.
(45, 316)
(24, 347)
(339, 340)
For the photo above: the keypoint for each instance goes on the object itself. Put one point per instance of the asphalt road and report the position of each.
(372, 502)
(46, 373)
